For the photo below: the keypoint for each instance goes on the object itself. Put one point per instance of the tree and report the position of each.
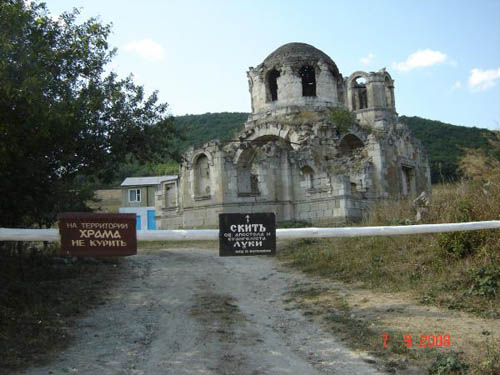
(62, 116)
(342, 118)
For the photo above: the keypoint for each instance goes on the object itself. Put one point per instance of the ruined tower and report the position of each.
(296, 76)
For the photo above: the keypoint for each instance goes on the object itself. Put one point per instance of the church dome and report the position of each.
(296, 54)
(295, 77)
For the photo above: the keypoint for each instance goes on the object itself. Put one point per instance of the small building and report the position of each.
(138, 196)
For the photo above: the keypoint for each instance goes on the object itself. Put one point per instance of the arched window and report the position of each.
(248, 179)
(359, 94)
(349, 143)
(308, 80)
(272, 85)
(201, 176)
(307, 177)
(389, 92)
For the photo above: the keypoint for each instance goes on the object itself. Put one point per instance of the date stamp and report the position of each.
(423, 341)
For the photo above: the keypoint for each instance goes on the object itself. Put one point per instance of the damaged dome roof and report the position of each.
(297, 53)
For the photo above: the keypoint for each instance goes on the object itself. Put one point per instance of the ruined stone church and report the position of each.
(317, 147)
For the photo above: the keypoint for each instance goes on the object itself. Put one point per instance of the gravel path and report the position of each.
(188, 311)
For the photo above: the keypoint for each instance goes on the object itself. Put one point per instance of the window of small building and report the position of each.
(272, 85)
(134, 195)
(308, 76)
(359, 94)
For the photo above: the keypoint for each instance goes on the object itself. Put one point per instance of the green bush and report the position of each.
(485, 282)
(464, 210)
(448, 364)
(460, 244)
(342, 118)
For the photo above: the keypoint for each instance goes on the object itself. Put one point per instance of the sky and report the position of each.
(444, 56)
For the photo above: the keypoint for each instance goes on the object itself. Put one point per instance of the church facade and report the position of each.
(317, 147)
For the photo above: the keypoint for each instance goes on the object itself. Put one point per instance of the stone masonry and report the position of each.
(317, 147)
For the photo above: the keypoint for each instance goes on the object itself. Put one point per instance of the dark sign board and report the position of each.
(247, 234)
(89, 234)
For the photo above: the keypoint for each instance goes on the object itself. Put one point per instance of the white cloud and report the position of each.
(480, 80)
(419, 59)
(368, 59)
(147, 49)
(456, 86)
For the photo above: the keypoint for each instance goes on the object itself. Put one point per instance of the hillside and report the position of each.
(445, 143)
(203, 128)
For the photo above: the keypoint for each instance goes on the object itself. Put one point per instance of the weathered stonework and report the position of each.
(292, 158)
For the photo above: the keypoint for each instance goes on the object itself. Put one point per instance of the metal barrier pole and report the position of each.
(7, 234)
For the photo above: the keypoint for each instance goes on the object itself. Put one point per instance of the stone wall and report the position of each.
(315, 178)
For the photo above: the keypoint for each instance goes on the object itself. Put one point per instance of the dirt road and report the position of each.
(187, 311)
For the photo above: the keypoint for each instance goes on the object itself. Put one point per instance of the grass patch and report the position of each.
(455, 271)
(489, 362)
(294, 224)
(360, 334)
(40, 297)
(460, 271)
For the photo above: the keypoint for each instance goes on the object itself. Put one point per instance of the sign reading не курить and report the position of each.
(89, 234)
(247, 234)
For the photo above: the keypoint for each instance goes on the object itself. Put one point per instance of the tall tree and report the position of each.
(63, 116)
